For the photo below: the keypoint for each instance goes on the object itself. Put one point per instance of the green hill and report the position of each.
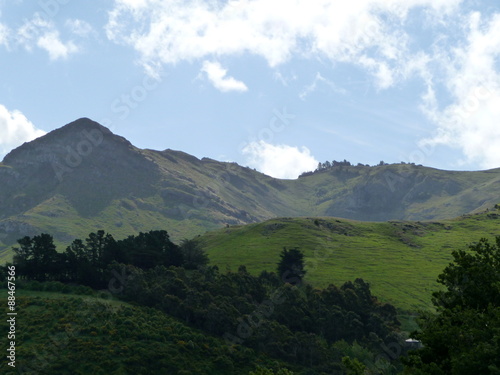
(400, 259)
(73, 334)
(82, 177)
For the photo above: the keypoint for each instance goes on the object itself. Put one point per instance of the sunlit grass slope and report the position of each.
(400, 259)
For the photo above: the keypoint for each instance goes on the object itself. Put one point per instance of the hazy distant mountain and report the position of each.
(82, 177)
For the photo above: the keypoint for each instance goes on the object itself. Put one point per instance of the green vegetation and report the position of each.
(69, 334)
(273, 314)
(91, 261)
(200, 320)
(400, 260)
(463, 336)
(291, 266)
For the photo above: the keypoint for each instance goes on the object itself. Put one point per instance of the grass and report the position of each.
(401, 260)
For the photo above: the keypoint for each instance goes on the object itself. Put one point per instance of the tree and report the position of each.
(473, 280)
(353, 366)
(78, 264)
(193, 254)
(23, 256)
(37, 257)
(151, 249)
(463, 336)
(96, 244)
(291, 266)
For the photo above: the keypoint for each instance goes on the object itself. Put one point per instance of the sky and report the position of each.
(276, 85)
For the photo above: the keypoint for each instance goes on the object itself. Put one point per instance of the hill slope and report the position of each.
(401, 260)
(73, 334)
(82, 177)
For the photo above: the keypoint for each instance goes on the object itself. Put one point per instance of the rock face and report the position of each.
(82, 177)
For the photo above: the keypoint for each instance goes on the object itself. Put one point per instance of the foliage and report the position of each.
(72, 335)
(353, 366)
(473, 279)
(265, 371)
(327, 165)
(291, 323)
(37, 257)
(291, 266)
(193, 254)
(88, 262)
(463, 336)
(148, 250)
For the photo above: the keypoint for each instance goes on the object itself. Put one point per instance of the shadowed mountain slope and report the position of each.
(82, 177)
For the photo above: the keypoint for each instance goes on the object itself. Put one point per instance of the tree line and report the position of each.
(87, 262)
(327, 165)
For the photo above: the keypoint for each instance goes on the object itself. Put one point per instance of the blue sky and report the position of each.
(277, 85)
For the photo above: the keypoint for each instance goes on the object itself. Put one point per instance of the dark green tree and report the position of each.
(353, 366)
(78, 264)
(291, 266)
(463, 336)
(95, 246)
(23, 257)
(148, 250)
(193, 254)
(37, 257)
(473, 279)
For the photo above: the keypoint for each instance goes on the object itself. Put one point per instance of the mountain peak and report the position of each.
(80, 124)
(83, 133)
(76, 161)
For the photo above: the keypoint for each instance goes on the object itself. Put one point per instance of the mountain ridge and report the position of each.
(83, 176)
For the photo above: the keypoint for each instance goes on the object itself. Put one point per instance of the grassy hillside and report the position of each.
(400, 259)
(72, 334)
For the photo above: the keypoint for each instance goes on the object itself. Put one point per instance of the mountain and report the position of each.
(82, 177)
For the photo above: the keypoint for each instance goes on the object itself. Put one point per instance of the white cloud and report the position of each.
(218, 76)
(4, 34)
(285, 80)
(51, 43)
(15, 129)
(471, 121)
(279, 161)
(79, 27)
(43, 34)
(314, 86)
(367, 33)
